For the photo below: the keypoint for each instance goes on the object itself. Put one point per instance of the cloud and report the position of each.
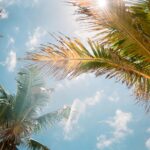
(148, 130)
(67, 84)
(6, 3)
(78, 108)
(17, 28)
(120, 125)
(11, 2)
(35, 38)
(114, 97)
(4, 14)
(10, 61)
(147, 143)
(32, 3)
(36, 1)
(28, 3)
(11, 41)
(83, 35)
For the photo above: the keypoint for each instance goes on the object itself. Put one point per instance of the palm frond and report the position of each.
(6, 113)
(49, 119)
(6, 107)
(70, 58)
(7, 146)
(121, 20)
(21, 115)
(3, 93)
(30, 96)
(35, 145)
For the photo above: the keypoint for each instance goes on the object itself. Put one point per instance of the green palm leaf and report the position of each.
(70, 58)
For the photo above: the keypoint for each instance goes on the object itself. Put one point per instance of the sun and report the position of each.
(102, 3)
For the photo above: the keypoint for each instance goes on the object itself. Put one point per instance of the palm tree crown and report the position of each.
(20, 114)
(120, 47)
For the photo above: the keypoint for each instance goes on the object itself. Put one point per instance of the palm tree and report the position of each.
(21, 115)
(120, 47)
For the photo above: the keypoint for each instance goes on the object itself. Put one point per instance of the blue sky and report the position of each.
(104, 115)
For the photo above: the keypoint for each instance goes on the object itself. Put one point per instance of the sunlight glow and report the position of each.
(102, 3)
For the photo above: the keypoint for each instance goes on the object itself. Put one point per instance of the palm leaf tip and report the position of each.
(50, 118)
(35, 145)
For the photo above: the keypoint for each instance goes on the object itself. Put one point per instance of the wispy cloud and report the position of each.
(148, 130)
(78, 108)
(11, 41)
(120, 125)
(4, 14)
(29, 3)
(114, 97)
(10, 61)
(36, 1)
(67, 84)
(17, 28)
(35, 38)
(5, 3)
(147, 143)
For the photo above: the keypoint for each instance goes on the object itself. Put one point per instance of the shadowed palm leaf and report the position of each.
(35, 145)
(21, 114)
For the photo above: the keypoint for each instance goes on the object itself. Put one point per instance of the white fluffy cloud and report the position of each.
(3, 14)
(120, 125)
(78, 108)
(35, 38)
(11, 61)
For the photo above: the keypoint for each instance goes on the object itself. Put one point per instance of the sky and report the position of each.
(104, 114)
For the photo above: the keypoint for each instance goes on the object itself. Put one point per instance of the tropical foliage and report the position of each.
(21, 115)
(120, 47)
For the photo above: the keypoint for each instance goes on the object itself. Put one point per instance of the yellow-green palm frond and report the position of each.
(70, 58)
(122, 21)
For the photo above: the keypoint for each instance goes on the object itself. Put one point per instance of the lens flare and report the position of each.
(102, 3)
